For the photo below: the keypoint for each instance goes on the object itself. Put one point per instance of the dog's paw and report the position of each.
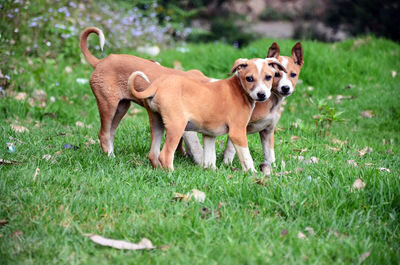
(266, 168)
(228, 160)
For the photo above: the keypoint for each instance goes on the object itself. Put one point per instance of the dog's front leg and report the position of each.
(239, 141)
(229, 153)
(267, 142)
(209, 157)
(193, 146)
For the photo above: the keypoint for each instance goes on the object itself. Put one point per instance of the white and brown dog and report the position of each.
(215, 108)
(109, 85)
(266, 114)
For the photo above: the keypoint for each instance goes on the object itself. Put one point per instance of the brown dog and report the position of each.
(109, 85)
(215, 108)
(267, 114)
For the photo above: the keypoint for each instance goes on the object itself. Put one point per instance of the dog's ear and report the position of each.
(277, 65)
(274, 51)
(297, 54)
(239, 64)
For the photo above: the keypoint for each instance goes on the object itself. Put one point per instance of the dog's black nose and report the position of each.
(285, 89)
(261, 95)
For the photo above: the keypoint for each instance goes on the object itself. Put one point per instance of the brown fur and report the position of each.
(213, 108)
(266, 114)
(109, 85)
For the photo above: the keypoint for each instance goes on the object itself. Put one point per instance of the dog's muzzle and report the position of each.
(285, 91)
(261, 96)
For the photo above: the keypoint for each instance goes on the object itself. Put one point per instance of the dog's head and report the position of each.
(285, 83)
(256, 76)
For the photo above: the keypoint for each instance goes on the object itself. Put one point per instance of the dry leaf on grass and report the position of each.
(384, 169)
(364, 256)
(364, 151)
(68, 69)
(313, 160)
(310, 230)
(46, 157)
(20, 96)
(198, 195)
(300, 158)
(3, 222)
(359, 184)
(17, 233)
(337, 233)
(300, 235)
(352, 162)
(120, 244)
(262, 181)
(339, 98)
(195, 194)
(91, 141)
(334, 149)
(164, 248)
(19, 128)
(367, 113)
(301, 150)
(8, 162)
(284, 173)
(36, 173)
(339, 142)
(39, 95)
(294, 138)
(80, 124)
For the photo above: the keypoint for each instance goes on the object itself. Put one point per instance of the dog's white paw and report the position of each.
(266, 168)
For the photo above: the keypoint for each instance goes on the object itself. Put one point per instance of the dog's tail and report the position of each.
(149, 92)
(89, 57)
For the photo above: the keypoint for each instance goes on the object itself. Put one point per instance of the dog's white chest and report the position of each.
(268, 123)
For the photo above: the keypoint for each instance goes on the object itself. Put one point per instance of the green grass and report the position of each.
(84, 191)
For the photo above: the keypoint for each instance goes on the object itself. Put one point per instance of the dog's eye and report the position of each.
(277, 74)
(293, 75)
(249, 79)
(268, 77)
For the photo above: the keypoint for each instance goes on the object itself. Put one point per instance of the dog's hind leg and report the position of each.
(209, 158)
(157, 131)
(174, 133)
(193, 146)
(122, 109)
(267, 142)
(107, 114)
(229, 153)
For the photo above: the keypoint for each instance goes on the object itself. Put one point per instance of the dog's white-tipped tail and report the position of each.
(148, 92)
(89, 57)
(102, 39)
(143, 75)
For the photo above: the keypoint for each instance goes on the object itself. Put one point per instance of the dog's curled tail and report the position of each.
(149, 92)
(84, 48)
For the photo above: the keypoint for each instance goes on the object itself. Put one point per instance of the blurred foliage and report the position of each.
(48, 27)
(380, 17)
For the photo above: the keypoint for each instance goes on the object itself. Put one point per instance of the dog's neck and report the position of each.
(276, 99)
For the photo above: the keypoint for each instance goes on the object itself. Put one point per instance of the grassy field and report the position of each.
(244, 219)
